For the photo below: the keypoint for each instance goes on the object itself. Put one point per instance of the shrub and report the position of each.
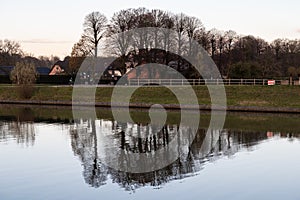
(24, 75)
(25, 91)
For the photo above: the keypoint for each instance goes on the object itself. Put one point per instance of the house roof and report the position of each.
(5, 70)
(43, 70)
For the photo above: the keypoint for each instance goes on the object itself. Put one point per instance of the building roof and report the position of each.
(43, 70)
(5, 70)
(64, 65)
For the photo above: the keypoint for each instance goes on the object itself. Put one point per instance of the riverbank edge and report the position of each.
(257, 109)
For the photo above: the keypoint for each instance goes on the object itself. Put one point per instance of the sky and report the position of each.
(52, 27)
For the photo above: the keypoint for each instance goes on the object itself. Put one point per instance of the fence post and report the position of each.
(138, 81)
(254, 82)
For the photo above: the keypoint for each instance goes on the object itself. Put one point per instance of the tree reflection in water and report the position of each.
(84, 144)
(19, 128)
(87, 143)
(140, 138)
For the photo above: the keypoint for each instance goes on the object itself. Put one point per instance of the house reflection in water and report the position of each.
(87, 137)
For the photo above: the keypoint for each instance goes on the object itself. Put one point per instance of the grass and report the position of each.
(264, 96)
(269, 96)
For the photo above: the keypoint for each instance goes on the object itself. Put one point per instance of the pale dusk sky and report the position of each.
(52, 27)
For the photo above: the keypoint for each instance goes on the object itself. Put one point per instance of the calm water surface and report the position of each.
(45, 154)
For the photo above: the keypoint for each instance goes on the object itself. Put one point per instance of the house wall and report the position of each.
(56, 70)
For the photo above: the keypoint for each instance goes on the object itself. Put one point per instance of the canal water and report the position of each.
(46, 154)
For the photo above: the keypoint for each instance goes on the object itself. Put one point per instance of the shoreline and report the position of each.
(257, 109)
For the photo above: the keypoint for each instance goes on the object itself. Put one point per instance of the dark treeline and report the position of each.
(11, 53)
(236, 56)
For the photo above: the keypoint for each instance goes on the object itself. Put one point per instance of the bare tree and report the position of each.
(119, 42)
(143, 19)
(277, 46)
(220, 44)
(192, 25)
(158, 19)
(167, 24)
(230, 38)
(94, 29)
(179, 26)
(202, 37)
(10, 47)
(213, 41)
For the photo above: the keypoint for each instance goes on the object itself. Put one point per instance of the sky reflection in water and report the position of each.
(59, 159)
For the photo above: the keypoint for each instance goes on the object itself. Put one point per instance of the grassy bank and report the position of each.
(261, 96)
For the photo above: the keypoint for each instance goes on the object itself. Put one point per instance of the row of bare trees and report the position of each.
(236, 56)
(11, 52)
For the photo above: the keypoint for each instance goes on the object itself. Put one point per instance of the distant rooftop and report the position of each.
(5, 70)
(43, 70)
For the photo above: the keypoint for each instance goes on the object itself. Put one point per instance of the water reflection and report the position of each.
(20, 128)
(208, 146)
(84, 144)
(88, 138)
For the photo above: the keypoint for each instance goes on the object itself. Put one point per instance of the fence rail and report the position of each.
(182, 82)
